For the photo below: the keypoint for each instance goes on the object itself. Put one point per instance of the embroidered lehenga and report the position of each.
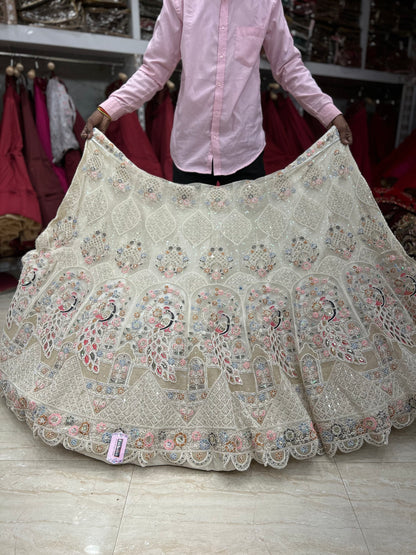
(214, 325)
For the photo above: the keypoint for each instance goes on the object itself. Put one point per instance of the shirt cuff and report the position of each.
(328, 113)
(114, 108)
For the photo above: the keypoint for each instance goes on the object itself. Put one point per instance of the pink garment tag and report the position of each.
(117, 448)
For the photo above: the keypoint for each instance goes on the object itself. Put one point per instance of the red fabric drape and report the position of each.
(382, 131)
(297, 130)
(357, 120)
(128, 135)
(20, 216)
(42, 125)
(314, 125)
(398, 162)
(42, 176)
(279, 150)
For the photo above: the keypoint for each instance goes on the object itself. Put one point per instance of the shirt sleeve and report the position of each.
(160, 59)
(290, 72)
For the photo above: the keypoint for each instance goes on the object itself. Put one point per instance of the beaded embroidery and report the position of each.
(214, 325)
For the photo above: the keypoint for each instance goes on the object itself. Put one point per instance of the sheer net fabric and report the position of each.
(214, 325)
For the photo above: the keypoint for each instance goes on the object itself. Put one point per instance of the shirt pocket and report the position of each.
(248, 43)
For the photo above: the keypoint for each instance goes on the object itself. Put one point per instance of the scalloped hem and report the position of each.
(208, 460)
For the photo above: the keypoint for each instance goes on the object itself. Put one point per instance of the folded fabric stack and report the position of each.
(149, 12)
(8, 12)
(300, 18)
(92, 16)
(326, 31)
(336, 35)
(392, 26)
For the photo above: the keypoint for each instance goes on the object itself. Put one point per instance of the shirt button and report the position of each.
(218, 84)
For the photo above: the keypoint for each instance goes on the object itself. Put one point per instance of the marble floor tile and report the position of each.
(401, 448)
(17, 442)
(61, 507)
(383, 496)
(302, 509)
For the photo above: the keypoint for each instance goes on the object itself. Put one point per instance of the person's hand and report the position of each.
(343, 129)
(98, 120)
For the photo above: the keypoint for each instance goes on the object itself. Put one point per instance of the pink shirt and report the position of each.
(218, 117)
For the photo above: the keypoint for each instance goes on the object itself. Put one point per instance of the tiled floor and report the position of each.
(56, 502)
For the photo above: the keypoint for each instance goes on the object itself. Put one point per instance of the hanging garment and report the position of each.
(357, 119)
(382, 132)
(394, 187)
(314, 125)
(42, 125)
(20, 218)
(43, 178)
(159, 122)
(298, 131)
(73, 157)
(279, 151)
(128, 135)
(214, 325)
(62, 113)
(400, 161)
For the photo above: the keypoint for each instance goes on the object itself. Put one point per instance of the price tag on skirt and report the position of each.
(117, 448)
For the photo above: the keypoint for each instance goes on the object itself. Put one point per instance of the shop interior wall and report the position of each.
(86, 83)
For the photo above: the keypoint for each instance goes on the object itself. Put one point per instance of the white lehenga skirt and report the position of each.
(214, 325)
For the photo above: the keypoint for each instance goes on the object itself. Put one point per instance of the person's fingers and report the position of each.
(96, 119)
(88, 130)
(344, 130)
(345, 135)
(103, 125)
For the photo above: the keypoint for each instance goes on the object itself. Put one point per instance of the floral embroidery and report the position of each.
(260, 260)
(184, 196)
(173, 261)
(245, 352)
(93, 166)
(313, 178)
(216, 263)
(151, 190)
(252, 195)
(373, 232)
(282, 188)
(217, 199)
(341, 165)
(121, 179)
(302, 253)
(340, 241)
(130, 257)
(65, 231)
(95, 248)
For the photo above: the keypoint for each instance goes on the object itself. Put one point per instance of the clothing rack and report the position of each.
(60, 59)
